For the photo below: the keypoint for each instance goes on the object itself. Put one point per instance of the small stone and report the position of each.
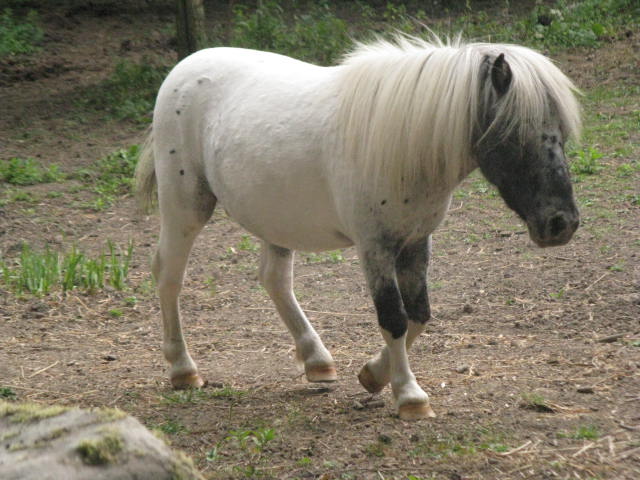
(383, 438)
(357, 405)
(462, 369)
(110, 358)
(467, 308)
(585, 390)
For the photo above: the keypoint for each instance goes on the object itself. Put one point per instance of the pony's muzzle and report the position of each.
(557, 229)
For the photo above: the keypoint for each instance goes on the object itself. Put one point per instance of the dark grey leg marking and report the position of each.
(411, 271)
(379, 268)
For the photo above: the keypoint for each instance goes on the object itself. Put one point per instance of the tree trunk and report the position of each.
(191, 36)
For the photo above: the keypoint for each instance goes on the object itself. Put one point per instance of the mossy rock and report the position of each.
(47, 442)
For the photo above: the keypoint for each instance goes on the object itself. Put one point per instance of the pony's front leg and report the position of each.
(411, 274)
(412, 403)
(276, 275)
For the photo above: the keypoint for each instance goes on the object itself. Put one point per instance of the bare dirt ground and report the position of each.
(532, 359)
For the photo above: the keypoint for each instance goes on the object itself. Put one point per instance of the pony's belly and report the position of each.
(309, 231)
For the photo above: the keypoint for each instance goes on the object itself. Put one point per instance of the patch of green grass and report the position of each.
(228, 392)
(461, 444)
(28, 171)
(39, 273)
(535, 401)
(213, 455)
(333, 256)
(7, 393)
(259, 438)
(196, 395)
(19, 35)
(247, 244)
(618, 267)
(583, 432)
(111, 178)
(586, 161)
(170, 427)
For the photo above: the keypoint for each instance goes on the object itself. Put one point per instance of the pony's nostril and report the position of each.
(557, 225)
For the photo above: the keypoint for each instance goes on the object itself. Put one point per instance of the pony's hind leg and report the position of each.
(182, 218)
(411, 274)
(276, 276)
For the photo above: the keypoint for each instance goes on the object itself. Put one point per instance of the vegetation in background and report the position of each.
(39, 273)
(19, 36)
(317, 35)
(129, 92)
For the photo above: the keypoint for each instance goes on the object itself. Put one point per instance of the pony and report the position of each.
(364, 153)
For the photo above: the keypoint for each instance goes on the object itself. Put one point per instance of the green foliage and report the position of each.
(39, 273)
(332, 256)
(534, 401)
(317, 35)
(28, 171)
(583, 432)
(260, 437)
(461, 444)
(579, 24)
(7, 393)
(170, 427)
(196, 395)
(586, 161)
(19, 36)
(129, 92)
(247, 244)
(112, 177)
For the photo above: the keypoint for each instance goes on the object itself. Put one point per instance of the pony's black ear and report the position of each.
(501, 75)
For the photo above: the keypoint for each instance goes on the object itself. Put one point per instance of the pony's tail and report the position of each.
(145, 177)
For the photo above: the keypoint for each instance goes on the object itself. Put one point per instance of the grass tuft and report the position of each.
(39, 273)
(27, 171)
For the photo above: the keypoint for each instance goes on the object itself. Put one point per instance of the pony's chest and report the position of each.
(410, 218)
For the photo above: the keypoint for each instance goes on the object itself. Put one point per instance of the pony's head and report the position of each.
(528, 112)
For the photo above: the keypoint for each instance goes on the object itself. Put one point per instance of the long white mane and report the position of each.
(409, 108)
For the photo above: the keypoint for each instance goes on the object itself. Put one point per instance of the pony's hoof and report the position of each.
(187, 380)
(415, 411)
(368, 381)
(321, 374)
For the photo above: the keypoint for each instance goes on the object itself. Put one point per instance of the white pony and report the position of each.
(366, 153)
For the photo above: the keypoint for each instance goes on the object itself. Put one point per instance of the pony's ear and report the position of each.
(501, 75)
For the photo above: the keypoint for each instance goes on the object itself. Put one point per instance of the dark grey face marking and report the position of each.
(199, 81)
(530, 172)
